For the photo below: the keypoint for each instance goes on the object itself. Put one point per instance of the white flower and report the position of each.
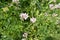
(54, 14)
(57, 6)
(24, 16)
(51, 6)
(33, 20)
(25, 35)
(46, 14)
(58, 21)
(15, 1)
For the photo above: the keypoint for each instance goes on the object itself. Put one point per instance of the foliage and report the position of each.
(45, 28)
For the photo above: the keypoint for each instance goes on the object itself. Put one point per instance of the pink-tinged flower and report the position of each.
(25, 35)
(54, 14)
(24, 16)
(33, 20)
(15, 1)
(51, 6)
(57, 6)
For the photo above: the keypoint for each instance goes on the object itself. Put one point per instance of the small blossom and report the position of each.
(33, 20)
(24, 16)
(54, 14)
(25, 35)
(46, 14)
(51, 6)
(15, 1)
(57, 21)
(57, 6)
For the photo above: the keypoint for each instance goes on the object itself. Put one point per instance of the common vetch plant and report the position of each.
(29, 19)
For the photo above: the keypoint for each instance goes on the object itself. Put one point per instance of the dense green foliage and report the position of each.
(46, 26)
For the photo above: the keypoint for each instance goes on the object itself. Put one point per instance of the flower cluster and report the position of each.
(54, 14)
(25, 35)
(24, 16)
(33, 20)
(52, 6)
(57, 5)
(15, 1)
